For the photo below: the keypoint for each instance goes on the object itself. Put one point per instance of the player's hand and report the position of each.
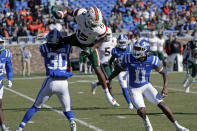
(9, 84)
(164, 92)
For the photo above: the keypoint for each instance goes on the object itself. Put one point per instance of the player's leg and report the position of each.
(138, 102)
(123, 80)
(85, 65)
(64, 97)
(80, 64)
(43, 95)
(154, 97)
(189, 76)
(106, 71)
(95, 61)
(1, 112)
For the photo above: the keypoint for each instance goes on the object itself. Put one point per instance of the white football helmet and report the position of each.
(122, 41)
(2, 43)
(108, 34)
(94, 17)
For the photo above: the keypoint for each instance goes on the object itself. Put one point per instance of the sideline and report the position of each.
(59, 112)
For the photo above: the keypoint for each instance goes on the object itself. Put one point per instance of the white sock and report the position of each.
(3, 126)
(106, 90)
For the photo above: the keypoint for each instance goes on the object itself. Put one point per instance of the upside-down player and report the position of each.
(56, 59)
(140, 64)
(90, 34)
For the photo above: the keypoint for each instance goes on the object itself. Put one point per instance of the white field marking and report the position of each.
(121, 117)
(59, 112)
(175, 89)
(31, 122)
(80, 92)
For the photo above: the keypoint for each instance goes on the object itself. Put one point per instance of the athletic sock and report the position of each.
(126, 95)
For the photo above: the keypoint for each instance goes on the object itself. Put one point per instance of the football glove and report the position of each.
(9, 84)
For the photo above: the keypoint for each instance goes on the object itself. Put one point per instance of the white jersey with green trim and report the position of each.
(105, 50)
(85, 34)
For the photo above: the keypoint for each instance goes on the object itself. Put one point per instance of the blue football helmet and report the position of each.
(2, 43)
(54, 37)
(141, 48)
(122, 41)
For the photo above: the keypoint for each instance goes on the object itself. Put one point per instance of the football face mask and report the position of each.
(122, 42)
(141, 48)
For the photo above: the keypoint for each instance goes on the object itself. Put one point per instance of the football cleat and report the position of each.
(148, 126)
(130, 106)
(73, 126)
(110, 99)
(94, 87)
(181, 128)
(187, 89)
(19, 129)
(187, 81)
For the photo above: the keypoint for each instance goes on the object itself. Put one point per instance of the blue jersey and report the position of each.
(6, 63)
(56, 61)
(139, 72)
(118, 53)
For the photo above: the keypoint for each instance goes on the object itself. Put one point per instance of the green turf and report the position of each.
(96, 111)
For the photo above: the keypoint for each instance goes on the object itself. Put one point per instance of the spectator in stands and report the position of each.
(26, 60)
(180, 33)
(176, 51)
(22, 32)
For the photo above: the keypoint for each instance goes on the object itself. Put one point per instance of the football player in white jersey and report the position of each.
(56, 61)
(90, 34)
(190, 61)
(105, 55)
(160, 48)
(5, 63)
(153, 39)
(140, 64)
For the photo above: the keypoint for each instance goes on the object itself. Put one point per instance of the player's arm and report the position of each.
(60, 12)
(164, 73)
(9, 70)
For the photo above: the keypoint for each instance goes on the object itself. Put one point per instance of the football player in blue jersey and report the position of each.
(55, 60)
(117, 53)
(5, 63)
(140, 64)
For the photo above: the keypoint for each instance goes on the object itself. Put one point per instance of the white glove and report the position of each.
(9, 84)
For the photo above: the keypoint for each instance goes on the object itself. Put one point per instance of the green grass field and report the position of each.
(92, 112)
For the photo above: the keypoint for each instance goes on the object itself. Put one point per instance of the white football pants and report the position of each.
(1, 89)
(54, 86)
(123, 78)
(148, 91)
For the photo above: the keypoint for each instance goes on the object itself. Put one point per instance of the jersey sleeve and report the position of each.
(155, 61)
(8, 65)
(113, 52)
(125, 60)
(102, 30)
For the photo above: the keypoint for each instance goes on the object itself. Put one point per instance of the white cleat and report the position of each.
(94, 87)
(187, 89)
(181, 128)
(130, 106)
(148, 126)
(73, 126)
(111, 100)
(19, 129)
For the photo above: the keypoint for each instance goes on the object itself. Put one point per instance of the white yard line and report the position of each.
(59, 112)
